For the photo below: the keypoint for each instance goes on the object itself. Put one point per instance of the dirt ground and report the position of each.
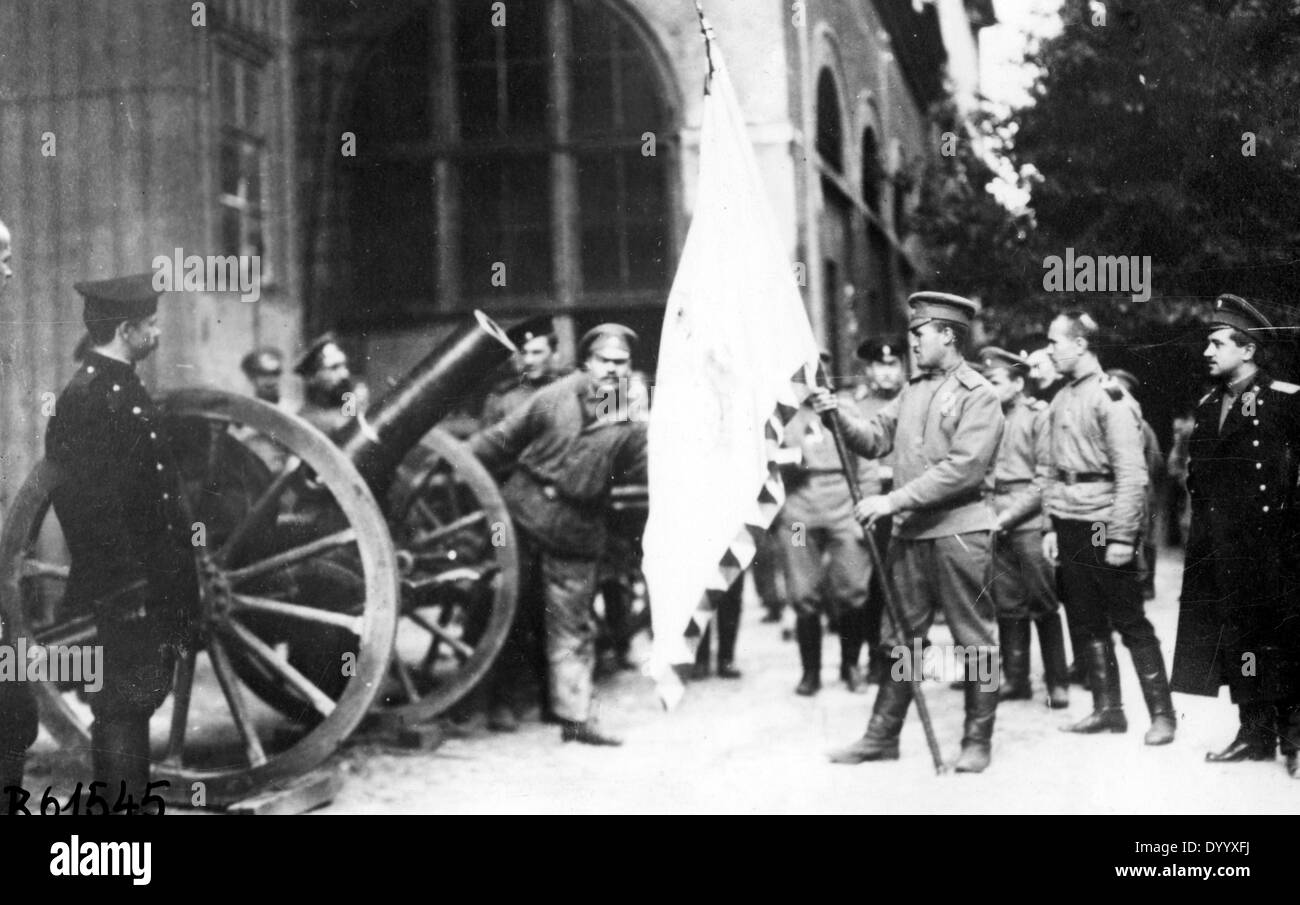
(752, 746)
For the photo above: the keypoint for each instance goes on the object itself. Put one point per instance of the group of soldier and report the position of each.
(994, 507)
(1003, 504)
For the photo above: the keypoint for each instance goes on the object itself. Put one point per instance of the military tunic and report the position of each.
(1024, 581)
(943, 429)
(119, 506)
(816, 522)
(566, 460)
(1096, 495)
(1239, 605)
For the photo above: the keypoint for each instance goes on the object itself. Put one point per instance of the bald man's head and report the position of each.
(5, 272)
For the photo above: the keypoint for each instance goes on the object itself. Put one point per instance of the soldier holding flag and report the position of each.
(944, 429)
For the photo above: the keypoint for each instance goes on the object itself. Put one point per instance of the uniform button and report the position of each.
(116, 388)
(1254, 443)
(1259, 464)
(90, 369)
(1263, 487)
(152, 435)
(1256, 421)
(136, 411)
(160, 466)
(167, 496)
(1266, 509)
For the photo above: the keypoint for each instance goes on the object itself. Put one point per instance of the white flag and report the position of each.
(735, 361)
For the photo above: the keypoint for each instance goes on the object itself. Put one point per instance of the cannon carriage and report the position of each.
(371, 573)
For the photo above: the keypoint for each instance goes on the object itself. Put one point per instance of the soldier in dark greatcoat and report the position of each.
(132, 563)
(1239, 620)
(18, 718)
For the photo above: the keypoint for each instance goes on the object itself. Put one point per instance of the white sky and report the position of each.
(1005, 78)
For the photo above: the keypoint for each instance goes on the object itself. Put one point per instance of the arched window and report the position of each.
(830, 131)
(873, 174)
(509, 156)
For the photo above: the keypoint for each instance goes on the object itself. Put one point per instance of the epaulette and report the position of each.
(1283, 387)
(1112, 388)
(970, 378)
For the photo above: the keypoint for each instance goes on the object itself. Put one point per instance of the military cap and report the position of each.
(991, 358)
(932, 306)
(1131, 383)
(881, 349)
(528, 330)
(262, 362)
(306, 363)
(129, 298)
(609, 337)
(1235, 312)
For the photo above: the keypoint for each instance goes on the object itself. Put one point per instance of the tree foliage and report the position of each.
(1161, 128)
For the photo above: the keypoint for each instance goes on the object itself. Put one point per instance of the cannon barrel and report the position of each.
(377, 442)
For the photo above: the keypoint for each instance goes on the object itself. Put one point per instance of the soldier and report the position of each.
(815, 524)
(1024, 583)
(944, 428)
(1239, 620)
(18, 717)
(333, 398)
(264, 367)
(884, 373)
(538, 366)
(1095, 499)
(1043, 375)
(132, 562)
(1155, 460)
(569, 446)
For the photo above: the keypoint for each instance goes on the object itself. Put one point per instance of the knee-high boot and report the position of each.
(880, 742)
(1150, 666)
(852, 634)
(977, 739)
(1013, 641)
(1051, 641)
(808, 629)
(121, 754)
(1103, 677)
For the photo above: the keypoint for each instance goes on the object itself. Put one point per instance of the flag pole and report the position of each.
(707, 30)
(832, 422)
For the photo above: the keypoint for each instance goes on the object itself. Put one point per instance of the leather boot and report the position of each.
(877, 667)
(1013, 638)
(851, 637)
(1254, 739)
(1103, 676)
(120, 756)
(1150, 666)
(808, 629)
(1051, 641)
(587, 734)
(881, 739)
(1288, 728)
(977, 739)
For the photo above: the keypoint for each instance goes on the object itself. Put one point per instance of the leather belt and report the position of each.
(1084, 477)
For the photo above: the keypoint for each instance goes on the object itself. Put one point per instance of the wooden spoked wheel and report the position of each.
(460, 577)
(285, 514)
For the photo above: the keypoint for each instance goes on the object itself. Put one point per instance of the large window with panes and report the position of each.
(514, 156)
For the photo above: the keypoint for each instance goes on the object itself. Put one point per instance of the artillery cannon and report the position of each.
(377, 573)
